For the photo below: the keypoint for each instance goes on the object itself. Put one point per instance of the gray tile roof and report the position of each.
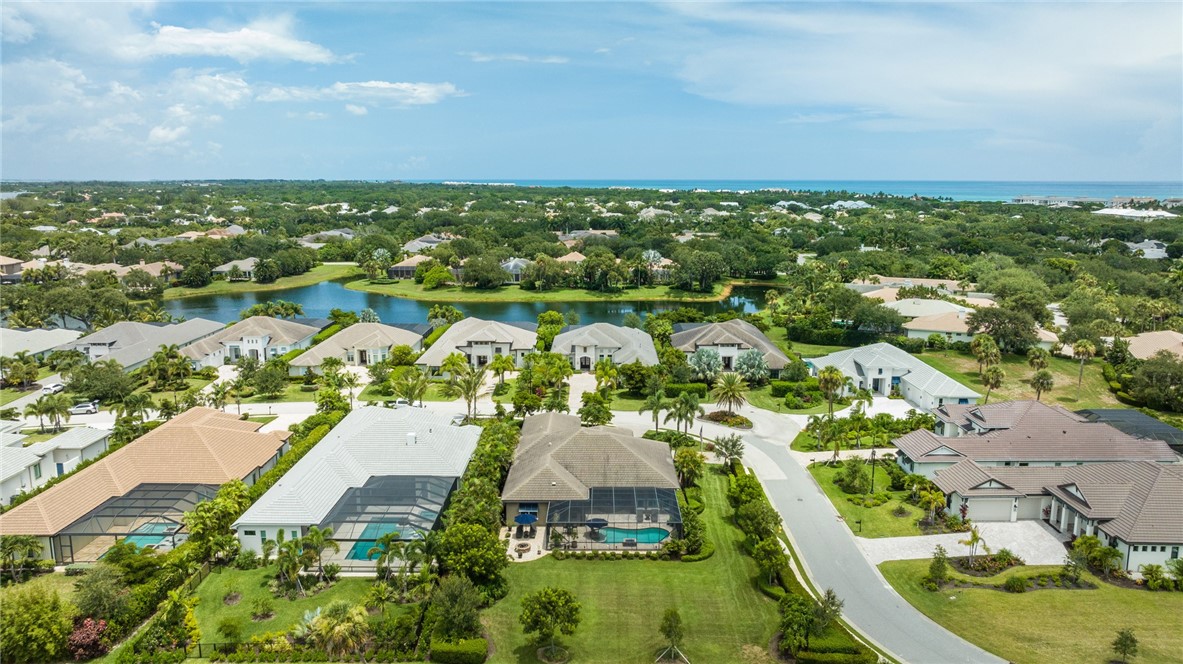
(634, 344)
(476, 329)
(282, 333)
(133, 343)
(557, 459)
(370, 442)
(362, 336)
(33, 341)
(918, 374)
(244, 264)
(688, 338)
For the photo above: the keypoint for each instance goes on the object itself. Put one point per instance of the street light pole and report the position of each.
(872, 470)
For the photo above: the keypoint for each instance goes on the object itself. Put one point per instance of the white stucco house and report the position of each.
(480, 341)
(730, 339)
(24, 468)
(260, 337)
(881, 367)
(951, 326)
(133, 344)
(20, 469)
(914, 307)
(584, 345)
(360, 345)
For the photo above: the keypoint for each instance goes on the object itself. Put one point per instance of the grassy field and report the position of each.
(314, 276)
(45, 583)
(291, 394)
(35, 435)
(726, 618)
(252, 584)
(262, 419)
(409, 289)
(1048, 626)
(629, 402)
(1094, 393)
(877, 521)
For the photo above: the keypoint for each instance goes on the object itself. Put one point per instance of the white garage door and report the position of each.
(1030, 508)
(989, 509)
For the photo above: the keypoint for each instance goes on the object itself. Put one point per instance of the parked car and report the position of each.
(89, 408)
(53, 388)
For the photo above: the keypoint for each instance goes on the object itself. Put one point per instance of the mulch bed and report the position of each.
(232, 599)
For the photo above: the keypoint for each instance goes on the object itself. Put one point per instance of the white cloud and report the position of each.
(514, 57)
(356, 110)
(15, 29)
(374, 92)
(310, 115)
(208, 87)
(162, 135)
(270, 39)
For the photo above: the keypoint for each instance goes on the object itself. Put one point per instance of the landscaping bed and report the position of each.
(733, 420)
(878, 521)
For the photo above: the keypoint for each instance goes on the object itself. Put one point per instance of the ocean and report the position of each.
(958, 190)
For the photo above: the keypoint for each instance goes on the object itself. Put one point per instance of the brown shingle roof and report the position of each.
(557, 459)
(200, 446)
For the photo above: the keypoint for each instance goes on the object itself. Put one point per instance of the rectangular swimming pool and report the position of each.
(370, 536)
(642, 535)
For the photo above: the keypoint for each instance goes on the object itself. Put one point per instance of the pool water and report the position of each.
(642, 535)
(149, 534)
(370, 538)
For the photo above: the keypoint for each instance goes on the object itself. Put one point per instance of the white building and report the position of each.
(882, 367)
(133, 344)
(260, 337)
(584, 345)
(360, 345)
(480, 341)
(730, 339)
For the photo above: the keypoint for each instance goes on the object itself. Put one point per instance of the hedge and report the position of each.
(326, 333)
(707, 550)
(808, 657)
(434, 336)
(467, 651)
(779, 388)
(292, 354)
(674, 389)
(671, 438)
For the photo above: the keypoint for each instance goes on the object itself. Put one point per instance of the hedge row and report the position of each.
(434, 336)
(674, 389)
(326, 333)
(467, 651)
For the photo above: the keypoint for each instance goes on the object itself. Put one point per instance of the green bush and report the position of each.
(672, 390)
(434, 336)
(708, 550)
(1015, 584)
(672, 438)
(836, 658)
(779, 388)
(729, 419)
(326, 333)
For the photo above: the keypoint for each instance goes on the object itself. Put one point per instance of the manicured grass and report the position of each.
(262, 419)
(193, 383)
(314, 276)
(778, 337)
(507, 397)
(726, 618)
(761, 397)
(1046, 626)
(409, 289)
(624, 400)
(877, 521)
(35, 435)
(8, 395)
(372, 393)
(45, 583)
(1094, 393)
(252, 584)
(291, 394)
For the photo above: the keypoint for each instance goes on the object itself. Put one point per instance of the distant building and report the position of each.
(480, 341)
(360, 345)
(132, 344)
(405, 269)
(258, 337)
(515, 267)
(246, 269)
(1148, 344)
(730, 339)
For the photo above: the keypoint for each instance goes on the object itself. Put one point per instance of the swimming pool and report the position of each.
(370, 536)
(642, 535)
(150, 534)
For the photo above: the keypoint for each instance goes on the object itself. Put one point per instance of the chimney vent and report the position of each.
(411, 438)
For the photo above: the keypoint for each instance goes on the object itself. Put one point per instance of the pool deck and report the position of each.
(536, 550)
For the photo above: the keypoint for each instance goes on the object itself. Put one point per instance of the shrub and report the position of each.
(674, 439)
(807, 657)
(86, 641)
(247, 559)
(707, 550)
(466, 651)
(729, 419)
(672, 390)
(1015, 584)
(779, 388)
(262, 608)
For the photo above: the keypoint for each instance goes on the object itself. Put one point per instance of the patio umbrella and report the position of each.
(525, 519)
(596, 524)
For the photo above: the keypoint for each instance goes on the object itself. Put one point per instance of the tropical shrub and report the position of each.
(1015, 584)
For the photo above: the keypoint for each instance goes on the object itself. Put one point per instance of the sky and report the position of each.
(496, 91)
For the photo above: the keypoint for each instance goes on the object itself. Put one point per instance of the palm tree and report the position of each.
(501, 365)
(40, 408)
(412, 385)
(290, 559)
(1038, 358)
(341, 629)
(974, 539)
(607, 375)
(57, 408)
(1042, 382)
(386, 548)
(932, 499)
(469, 385)
(1082, 350)
(992, 380)
(980, 346)
(830, 381)
(350, 382)
(729, 391)
(138, 404)
(684, 409)
(655, 402)
(218, 394)
(316, 541)
(863, 399)
(453, 364)
(17, 549)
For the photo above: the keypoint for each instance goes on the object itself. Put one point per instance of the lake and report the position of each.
(319, 299)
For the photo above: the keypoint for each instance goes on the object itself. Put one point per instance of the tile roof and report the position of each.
(689, 337)
(244, 264)
(76, 438)
(915, 307)
(282, 333)
(199, 446)
(477, 329)
(1146, 345)
(635, 345)
(33, 341)
(918, 374)
(370, 442)
(133, 343)
(557, 459)
(952, 321)
(14, 459)
(572, 257)
(362, 336)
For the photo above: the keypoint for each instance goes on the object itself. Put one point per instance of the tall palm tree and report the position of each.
(863, 399)
(729, 391)
(830, 381)
(992, 380)
(316, 542)
(218, 394)
(500, 365)
(1082, 350)
(412, 385)
(39, 408)
(607, 375)
(57, 409)
(290, 559)
(137, 404)
(16, 550)
(684, 409)
(349, 381)
(1042, 381)
(655, 402)
(386, 549)
(932, 499)
(453, 364)
(469, 385)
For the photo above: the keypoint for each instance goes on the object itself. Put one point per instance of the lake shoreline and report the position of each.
(461, 294)
(318, 274)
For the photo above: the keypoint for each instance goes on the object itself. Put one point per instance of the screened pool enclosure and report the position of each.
(408, 505)
(627, 518)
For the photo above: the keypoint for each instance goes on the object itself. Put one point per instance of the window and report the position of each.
(263, 535)
(37, 471)
(251, 533)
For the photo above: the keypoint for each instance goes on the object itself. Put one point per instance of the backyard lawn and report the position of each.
(726, 618)
(1046, 626)
(252, 585)
(1094, 393)
(314, 276)
(877, 521)
(64, 585)
(409, 289)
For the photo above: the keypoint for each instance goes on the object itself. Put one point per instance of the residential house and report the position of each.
(598, 487)
(480, 341)
(10, 269)
(380, 470)
(21, 470)
(1020, 434)
(950, 325)
(246, 269)
(133, 344)
(914, 307)
(1148, 344)
(882, 368)
(427, 242)
(584, 345)
(570, 239)
(730, 339)
(143, 489)
(36, 342)
(260, 337)
(573, 258)
(73, 446)
(361, 345)
(515, 267)
(948, 285)
(405, 269)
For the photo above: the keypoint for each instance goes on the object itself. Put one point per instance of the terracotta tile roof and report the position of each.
(952, 321)
(200, 446)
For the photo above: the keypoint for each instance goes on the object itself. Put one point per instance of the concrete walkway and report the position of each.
(1028, 540)
(827, 550)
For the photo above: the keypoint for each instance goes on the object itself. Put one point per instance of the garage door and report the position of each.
(1029, 508)
(987, 509)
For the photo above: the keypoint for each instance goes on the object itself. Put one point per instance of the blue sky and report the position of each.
(502, 91)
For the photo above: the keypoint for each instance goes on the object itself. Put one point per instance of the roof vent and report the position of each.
(553, 483)
(411, 438)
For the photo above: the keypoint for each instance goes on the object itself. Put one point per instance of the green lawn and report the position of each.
(314, 276)
(1049, 626)
(35, 435)
(8, 395)
(262, 419)
(252, 584)
(761, 397)
(291, 394)
(627, 401)
(1094, 393)
(193, 382)
(45, 583)
(805, 442)
(778, 336)
(409, 289)
(371, 393)
(877, 521)
(726, 618)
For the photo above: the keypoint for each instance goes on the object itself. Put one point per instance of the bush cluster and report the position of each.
(672, 390)
(729, 419)
(466, 651)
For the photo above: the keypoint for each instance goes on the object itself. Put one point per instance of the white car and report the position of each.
(85, 408)
(53, 388)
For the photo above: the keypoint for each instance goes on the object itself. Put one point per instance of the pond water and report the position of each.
(319, 299)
